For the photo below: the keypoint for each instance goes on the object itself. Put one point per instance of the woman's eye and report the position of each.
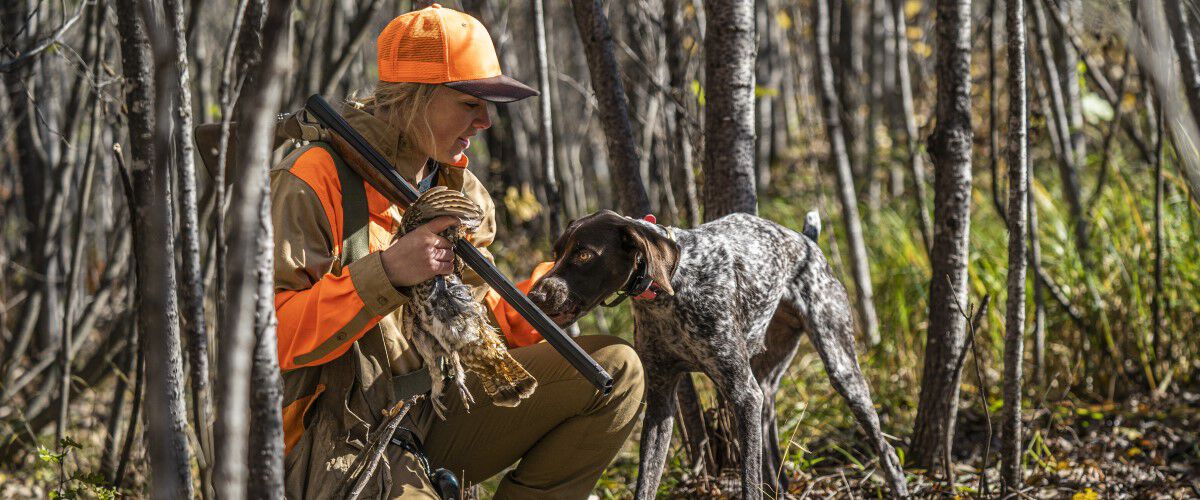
(472, 105)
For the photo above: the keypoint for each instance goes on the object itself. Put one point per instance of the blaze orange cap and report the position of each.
(445, 46)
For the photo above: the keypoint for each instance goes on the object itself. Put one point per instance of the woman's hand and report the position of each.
(420, 255)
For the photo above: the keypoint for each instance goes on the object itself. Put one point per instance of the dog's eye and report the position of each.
(584, 256)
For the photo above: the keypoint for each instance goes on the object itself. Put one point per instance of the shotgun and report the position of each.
(400, 192)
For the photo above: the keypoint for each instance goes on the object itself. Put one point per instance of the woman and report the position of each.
(338, 275)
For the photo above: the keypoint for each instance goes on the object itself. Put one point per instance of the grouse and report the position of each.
(449, 329)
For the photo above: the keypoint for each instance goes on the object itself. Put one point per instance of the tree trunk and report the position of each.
(880, 41)
(1018, 128)
(150, 130)
(1156, 302)
(1039, 289)
(846, 46)
(257, 243)
(766, 74)
(677, 68)
(66, 353)
(1060, 120)
(691, 417)
(950, 148)
(916, 163)
(1068, 66)
(845, 179)
(192, 288)
(1185, 49)
(613, 107)
(729, 53)
(239, 320)
(231, 85)
(116, 415)
(1154, 56)
(32, 161)
(546, 136)
(362, 29)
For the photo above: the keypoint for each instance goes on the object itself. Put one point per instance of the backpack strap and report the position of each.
(355, 216)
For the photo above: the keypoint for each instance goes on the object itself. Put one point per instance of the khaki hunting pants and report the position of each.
(564, 435)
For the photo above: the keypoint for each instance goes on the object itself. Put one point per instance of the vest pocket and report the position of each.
(294, 418)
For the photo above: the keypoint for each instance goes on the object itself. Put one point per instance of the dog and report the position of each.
(729, 298)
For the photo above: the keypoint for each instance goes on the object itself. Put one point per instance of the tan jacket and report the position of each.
(339, 325)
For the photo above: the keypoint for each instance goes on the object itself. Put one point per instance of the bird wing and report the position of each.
(439, 201)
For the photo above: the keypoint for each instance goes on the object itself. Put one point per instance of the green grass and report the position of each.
(815, 422)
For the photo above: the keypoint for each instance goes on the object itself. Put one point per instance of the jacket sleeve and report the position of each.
(321, 310)
(517, 331)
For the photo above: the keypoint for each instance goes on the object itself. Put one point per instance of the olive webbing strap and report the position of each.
(356, 245)
(355, 216)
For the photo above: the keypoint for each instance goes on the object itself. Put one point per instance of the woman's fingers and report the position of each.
(420, 254)
(439, 224)
(442, 254)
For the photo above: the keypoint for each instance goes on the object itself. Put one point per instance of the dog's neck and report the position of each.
(674, 234)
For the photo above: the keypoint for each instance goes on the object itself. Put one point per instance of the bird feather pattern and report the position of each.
(449, 328)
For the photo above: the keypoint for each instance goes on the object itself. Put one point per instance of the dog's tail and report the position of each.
(812, 225)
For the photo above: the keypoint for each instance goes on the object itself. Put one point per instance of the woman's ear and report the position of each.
(660, 252)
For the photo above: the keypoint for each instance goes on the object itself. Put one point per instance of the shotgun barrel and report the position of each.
(329, 117)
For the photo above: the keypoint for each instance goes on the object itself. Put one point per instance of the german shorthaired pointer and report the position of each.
(729, 299)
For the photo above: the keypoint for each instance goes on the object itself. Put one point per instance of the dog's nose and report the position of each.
(538, 294)
(548, 294)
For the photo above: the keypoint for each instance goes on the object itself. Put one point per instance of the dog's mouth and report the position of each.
(565, 314)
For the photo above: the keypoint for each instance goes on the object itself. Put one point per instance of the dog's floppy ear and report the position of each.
(660, 252)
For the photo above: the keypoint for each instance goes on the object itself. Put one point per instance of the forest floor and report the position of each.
(1135, 449)
(1138, 448)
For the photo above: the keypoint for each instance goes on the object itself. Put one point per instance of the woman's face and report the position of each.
(453, 117)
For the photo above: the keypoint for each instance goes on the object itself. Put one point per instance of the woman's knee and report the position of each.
(618, 358)
(621, 361)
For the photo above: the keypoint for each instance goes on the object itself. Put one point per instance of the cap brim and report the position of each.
(496, 89)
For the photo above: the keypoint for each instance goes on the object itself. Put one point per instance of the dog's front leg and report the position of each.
(737, 384)
(656, 428)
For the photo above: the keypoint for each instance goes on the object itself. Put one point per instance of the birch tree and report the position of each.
(1185, 48)
(154, 248)
(840, 157)
(1014, 318)
(253, 241)
(191, 287)
(546, 135)
(1059, 117)
(950, 149)
(916, 164)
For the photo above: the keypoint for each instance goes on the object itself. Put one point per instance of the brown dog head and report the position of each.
(596, 257)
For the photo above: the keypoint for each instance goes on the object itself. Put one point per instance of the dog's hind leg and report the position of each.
(783, 337)
(656, 427)
(829, 325)
(736, 382)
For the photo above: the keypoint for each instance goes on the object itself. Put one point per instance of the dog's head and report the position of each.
(597, 256)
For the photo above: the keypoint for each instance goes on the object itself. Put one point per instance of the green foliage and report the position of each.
(79, 484)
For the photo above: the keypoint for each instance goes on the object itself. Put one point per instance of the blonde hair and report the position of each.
(399, 104)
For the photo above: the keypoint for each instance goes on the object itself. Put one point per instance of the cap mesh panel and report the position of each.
(422, 43)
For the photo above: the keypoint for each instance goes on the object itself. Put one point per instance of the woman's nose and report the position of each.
(484, 119)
